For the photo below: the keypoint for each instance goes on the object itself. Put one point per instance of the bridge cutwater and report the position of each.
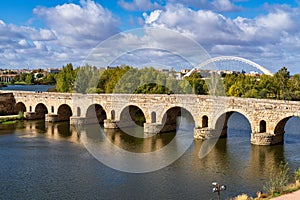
(210, 114)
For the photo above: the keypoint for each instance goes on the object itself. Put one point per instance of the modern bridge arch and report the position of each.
(221, 122)
(20, 107)
(132, 115)
(234, 58)
(40, 110)
(64, 112)
(96, 113)
(170, 120)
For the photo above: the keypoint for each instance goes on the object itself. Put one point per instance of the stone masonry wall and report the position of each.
(7, 104)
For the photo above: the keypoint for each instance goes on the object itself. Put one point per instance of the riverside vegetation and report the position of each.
(126, 79)
(10, 119)
(279, 183)
(88, 79)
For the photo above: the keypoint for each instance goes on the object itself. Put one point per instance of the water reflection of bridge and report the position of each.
(57, 131)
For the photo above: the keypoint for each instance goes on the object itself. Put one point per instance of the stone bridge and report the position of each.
(158, 112)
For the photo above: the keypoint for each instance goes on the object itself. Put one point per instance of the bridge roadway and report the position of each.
(209, 114)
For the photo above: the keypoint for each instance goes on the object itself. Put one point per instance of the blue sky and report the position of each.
(41, 33)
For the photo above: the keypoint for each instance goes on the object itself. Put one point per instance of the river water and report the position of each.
(42, 88)
(40, 160)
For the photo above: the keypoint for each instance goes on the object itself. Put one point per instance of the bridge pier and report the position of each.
(209, 133)
(78, 120)
(152, 128)
(110, 124)
(51, 117)
(30, 115)
(265, 139)
(204, 133)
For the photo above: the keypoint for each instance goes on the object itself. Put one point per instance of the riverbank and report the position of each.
(288, 196)
(9, 118)
(291, 192)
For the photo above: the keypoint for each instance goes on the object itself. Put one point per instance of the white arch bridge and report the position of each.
(209, 114)
(230, 58)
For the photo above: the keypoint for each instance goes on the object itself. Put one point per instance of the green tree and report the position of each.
(297, 175)
(197, 83)
(278, 179)
(282, 77)
(87, 78)
(110, 80)
(23, 77)
(49, 79)
(29, 79)
(267, 87)
(39, 75)
(65, 79)
(228, 81)
(294, 87)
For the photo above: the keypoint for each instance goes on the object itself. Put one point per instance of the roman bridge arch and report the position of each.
(209, 113)
(220, 121)
(48, 106)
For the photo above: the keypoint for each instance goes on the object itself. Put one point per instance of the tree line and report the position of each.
(280, 86)
(126, 79)
(35, 77)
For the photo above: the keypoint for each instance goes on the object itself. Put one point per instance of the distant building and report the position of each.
(53, 70)
(165, 71)
(25, 71)
(178, 75)
(7, 77)
(254, 73)
(185, 71)
(109, 67)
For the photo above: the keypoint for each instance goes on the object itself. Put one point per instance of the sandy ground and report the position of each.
(291, 196)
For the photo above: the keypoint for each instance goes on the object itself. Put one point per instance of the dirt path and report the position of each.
(291, 196)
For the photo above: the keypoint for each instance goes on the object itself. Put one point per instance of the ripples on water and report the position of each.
(41, 160)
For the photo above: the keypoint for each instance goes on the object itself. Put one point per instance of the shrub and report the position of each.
(21, 114)
(297, 175)
(278, 179)
(242, 197)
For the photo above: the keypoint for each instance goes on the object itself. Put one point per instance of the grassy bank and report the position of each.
(293, 187)
(10, 119)
(277, 185)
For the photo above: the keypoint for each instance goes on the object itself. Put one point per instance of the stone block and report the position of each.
(152, 128)
(51, 117)
(266, 139)
(110, 124)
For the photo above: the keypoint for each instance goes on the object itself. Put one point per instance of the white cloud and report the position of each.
(79, 25)
(152, 17)
(215, 5)
(71, 31)
(224, 5)
(266, 38)
(23, 43)
(138, 5)
(148, 47)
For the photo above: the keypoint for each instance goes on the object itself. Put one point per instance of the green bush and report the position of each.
(21, 114)
(278, 179)
(297, 175)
